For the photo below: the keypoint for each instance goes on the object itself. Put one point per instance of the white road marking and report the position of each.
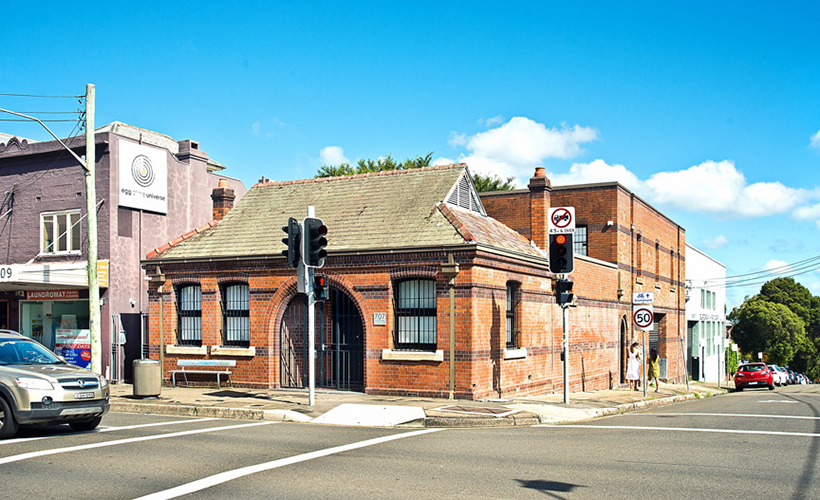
(681, 429)
(779, 401)
(226, 476)
(42, 453)
(733, 415)
(105, 429)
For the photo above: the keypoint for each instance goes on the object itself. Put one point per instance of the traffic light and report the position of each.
(319, 288)
(315, 242)
(293, 240)
(561, 254)
(563, 291)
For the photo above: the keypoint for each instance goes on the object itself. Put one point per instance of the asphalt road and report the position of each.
(754, 444)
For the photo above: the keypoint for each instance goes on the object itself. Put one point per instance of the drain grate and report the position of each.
(477, 410)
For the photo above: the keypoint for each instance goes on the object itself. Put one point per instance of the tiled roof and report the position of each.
(385, 210)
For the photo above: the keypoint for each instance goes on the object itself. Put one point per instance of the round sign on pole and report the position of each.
(643, 316)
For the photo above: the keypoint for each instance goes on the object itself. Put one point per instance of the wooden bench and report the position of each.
(216, 367)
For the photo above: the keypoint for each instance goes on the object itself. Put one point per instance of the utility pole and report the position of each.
(91, 209)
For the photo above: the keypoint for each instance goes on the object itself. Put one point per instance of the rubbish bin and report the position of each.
(147, 378)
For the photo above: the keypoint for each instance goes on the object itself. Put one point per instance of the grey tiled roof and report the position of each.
(386, 210)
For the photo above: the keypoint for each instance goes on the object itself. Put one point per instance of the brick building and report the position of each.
(415, 257)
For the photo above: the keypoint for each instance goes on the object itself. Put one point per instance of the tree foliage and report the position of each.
(486, 183)
(367, 165)
(771, 328)
(769, 320)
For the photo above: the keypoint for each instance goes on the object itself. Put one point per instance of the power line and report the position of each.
(29, 121)
(45, 96)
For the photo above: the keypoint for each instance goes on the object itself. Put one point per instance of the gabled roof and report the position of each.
(400, 209)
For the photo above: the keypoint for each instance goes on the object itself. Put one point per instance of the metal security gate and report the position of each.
(339, 344)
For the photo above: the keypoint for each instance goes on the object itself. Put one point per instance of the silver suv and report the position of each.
(38, 387)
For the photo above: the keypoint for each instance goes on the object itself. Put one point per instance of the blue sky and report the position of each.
(708, 110)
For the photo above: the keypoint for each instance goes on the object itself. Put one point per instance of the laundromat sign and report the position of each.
(52, 294)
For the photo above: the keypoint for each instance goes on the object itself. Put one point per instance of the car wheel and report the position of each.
(739, 388)
(8, 426)
(771, 387)
(86, 425)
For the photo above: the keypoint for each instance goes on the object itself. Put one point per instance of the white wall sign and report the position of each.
(143, 177)
(379, 319)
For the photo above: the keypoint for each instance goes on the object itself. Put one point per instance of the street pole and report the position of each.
(643, 359)
(91, 209)
(565, 347)
(311, 325)
(683, 360)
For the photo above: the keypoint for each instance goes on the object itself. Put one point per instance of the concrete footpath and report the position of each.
(349, 408)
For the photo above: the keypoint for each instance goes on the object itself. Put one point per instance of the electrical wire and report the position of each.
(45, 96)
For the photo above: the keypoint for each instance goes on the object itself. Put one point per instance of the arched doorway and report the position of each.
(339, 343)
(622, 349)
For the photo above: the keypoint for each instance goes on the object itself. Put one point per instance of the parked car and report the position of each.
(753, 375)
(39, 387)
(778, 375)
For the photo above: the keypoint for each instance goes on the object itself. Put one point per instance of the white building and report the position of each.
(705, 316)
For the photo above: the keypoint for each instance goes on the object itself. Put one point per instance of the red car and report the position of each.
(753, 375)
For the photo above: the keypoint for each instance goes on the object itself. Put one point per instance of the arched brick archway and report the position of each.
(339, 334)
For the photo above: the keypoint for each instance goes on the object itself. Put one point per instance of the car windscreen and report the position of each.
(22, 352)
(751, 368)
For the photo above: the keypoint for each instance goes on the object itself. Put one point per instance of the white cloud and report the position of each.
(718, 241)
(815, 140)
(518, 146)
(718, 187)
(810, 212)
(491, 122)
(597, 171)
(777, 265)
(333, 155)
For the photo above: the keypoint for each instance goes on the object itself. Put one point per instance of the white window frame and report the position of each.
(52, 218)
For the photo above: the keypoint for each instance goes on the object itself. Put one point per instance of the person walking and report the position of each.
(653, 369)
(633, 367)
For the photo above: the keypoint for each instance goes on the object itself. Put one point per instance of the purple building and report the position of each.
(150, 189)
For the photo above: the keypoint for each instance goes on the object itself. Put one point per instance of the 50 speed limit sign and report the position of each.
(643, 316)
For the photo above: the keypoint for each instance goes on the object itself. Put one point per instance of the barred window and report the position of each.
(580, 245)
(512, 321)
(189, 314)
(236, 315)
(415, 309)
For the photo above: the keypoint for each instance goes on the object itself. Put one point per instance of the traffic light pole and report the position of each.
(311, 327)
(565, 347)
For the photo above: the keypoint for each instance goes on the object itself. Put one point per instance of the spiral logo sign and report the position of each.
(142, 171)
(142, 177)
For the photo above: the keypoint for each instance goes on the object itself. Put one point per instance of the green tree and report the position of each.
(771, 328)
(800, 301)
(486, 183)
(482, 183)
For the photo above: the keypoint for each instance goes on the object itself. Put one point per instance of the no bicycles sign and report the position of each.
(643, 316)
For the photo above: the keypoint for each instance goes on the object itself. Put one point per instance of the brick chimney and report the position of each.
(540, 189)
(223, 197)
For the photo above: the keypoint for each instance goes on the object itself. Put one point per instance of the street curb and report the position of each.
(209, 412)
(514, 420)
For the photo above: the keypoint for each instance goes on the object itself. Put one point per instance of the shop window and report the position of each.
(580, 243)
(415, 310)
(189, 314)
(60, 232)
(512, 320)
(236, 321)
